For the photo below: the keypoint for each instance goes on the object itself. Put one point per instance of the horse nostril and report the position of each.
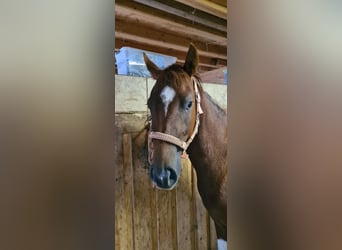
(165, 179)
(172, 176)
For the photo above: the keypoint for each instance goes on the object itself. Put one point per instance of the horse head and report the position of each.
(174, 114)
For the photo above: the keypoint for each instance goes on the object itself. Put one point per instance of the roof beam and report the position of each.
(183, 14)
(138, 16)
(138, 30)
(206, 62)
(163, 44)
(207, 6)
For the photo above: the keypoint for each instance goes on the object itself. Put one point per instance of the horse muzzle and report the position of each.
(163, 178)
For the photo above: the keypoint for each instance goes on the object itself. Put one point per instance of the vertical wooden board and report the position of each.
(185, 232)
(123, 198)
(167, 221)
(144, 200)
(154, 222)
(201, 219)
(118, 188)
(212, 234)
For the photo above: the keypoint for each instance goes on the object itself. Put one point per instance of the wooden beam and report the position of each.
(183, 14)
(127, 36)
(207, 6)
(119, 43)
(220, 2)
(138, 16)
(197, 12)
(141, 30)
(206, 65)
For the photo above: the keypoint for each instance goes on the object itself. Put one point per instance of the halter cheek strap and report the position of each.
(172, 139)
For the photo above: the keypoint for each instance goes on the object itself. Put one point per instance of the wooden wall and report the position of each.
(168, 26)
(146, 218)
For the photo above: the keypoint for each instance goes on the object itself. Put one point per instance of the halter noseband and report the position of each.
(172, 139)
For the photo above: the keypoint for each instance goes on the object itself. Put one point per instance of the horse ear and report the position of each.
(154, 70)
(191, 61)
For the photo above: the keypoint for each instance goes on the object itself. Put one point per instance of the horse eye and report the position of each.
(189, 104)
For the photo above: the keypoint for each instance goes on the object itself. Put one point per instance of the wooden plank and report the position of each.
(220, 2)
(119, 43)
(131, 123)
(207, 6)
(118, 188)
(211, 66)
(167, 219)
(190, 31)
(200, 217)
(154, 222)
(124, 233)
(196, 12)
(183, 14)
(212, 234)
(130, 94)
(145, 221)
(163, 44)
(155, 40)
(185, 232)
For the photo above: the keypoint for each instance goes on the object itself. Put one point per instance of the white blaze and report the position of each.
(167, 96)
(221, 244)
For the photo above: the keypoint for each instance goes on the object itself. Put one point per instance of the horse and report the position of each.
(186, 122)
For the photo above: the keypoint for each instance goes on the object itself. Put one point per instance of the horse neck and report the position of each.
(208, 151)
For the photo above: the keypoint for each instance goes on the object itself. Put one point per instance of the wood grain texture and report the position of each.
(185, 232)
(144, 219)
(160, 22)
(166, 214)
(152, 40)
(201, 221)
(124, 192)
(187, 14)
(207, 6)
(147, 218)
(212, 234)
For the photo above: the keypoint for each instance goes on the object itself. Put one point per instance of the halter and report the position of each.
(172, 139)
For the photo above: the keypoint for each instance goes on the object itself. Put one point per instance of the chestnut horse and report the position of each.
(185, 120)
